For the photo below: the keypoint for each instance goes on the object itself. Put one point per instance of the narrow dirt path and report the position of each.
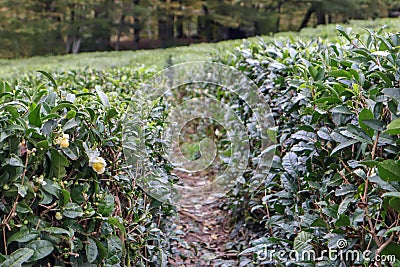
(205, 233)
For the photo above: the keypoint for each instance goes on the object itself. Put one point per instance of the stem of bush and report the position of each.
(365, 201)
(5, 240)
(14, 208)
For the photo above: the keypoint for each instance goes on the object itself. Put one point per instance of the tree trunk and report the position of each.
(101, 29)
(179, 27)
(136, 30)
(205, 26)
(179, 22)
(165, 25)
(320, 12)
(71, 31)
(68, 44)
(162, 29)
(76, 45)
(137, 27)
(121, 26)
(306, 18)
(278, 18)
(166, 28)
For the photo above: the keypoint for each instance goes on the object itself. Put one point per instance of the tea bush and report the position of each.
(336, 171)
(65, 195)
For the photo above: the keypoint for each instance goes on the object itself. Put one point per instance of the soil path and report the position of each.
(205, 234)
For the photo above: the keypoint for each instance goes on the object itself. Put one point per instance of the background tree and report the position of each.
(40, 27)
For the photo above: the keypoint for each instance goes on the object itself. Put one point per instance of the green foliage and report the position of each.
(16, 68)
(60, 203)
(336, 170)
(53, 27)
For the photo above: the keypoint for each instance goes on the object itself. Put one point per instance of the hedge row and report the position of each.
(65, 197)
(336, 171)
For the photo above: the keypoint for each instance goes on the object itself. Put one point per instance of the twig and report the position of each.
(47, 208)
(4, 239)
(190, 215)
(384, 245)
(14, 208)
(37, 225)
(343, 177)
(365, 195)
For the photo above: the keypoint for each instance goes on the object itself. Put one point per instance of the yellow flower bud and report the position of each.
(59, 216)
(98, 164)
(63, 141)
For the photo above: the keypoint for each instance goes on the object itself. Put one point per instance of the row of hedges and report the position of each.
(336, 171)
(65, 197)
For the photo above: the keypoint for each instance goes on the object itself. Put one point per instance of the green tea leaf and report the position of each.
(395, 203)
(103, 97)
(35, 117)
(56, 231)
(48, 76)
(344, 32)
(342, 221)
(106, 205)
(392, 194)
(389, 170)
(72, 210)
(41, 249)
(393, 229)
(23, 235)
(374, 124)
(393, 93)
(343, 145)
(393, 128)
(366, 114)
(18, 257)
(341, 73)
(58, 163)
(91, 250)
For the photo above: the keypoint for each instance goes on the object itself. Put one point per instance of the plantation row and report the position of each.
(336, 172)
(67, 197)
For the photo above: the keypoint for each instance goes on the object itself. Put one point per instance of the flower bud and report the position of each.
(63, 141)
(98, 164)
(59, 216)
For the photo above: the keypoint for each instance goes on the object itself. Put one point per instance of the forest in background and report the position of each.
(53, 27)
